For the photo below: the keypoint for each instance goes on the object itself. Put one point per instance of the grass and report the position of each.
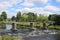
(54, 27)
(58, 32)
(0, 37)
(36, 24)
(27, 25)
(9, 38)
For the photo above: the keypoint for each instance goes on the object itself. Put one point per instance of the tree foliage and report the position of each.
(18, 16)
(4, 15)
(52, 17)
(13, 18)
(1, 18)
(24, 17)
(55, 18)
(42, 18)
(32, 16)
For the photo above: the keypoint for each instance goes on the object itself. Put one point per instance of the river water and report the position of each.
(44, 37)
(34, 35)
(8, 27)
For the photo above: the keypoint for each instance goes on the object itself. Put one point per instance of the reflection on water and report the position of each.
(2, 25)
(8, 27)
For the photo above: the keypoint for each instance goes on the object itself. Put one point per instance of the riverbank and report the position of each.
(7, 37)
(26, 25)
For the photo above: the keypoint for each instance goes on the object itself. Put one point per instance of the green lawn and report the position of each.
(36, 24)
(9, 38)
(54, 27)
(58, 32)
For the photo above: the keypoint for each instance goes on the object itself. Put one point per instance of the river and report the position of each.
(34, 35)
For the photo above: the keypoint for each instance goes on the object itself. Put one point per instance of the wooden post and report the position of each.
(14, 27)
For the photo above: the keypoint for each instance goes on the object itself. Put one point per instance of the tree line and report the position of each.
(30, 16)
(55, 18)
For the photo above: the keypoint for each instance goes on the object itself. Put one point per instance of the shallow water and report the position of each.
(33, 35)
(8, 27)
(44, 37)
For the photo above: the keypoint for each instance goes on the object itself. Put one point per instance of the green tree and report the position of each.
(42, 18)
(1, 18)
(13, 18)
(52, 17)
(24, 17)
(9, 19)
(31, 16)
(4, 16)
(18, 16)
(57, 20)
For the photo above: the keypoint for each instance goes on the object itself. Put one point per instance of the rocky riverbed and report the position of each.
(33, 35)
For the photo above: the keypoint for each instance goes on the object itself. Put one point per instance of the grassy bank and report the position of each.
(27, 25)
(9, 38)
(54, 27)
(36, 25)
(58, 32)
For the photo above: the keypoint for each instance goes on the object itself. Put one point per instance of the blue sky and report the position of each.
(44, 7)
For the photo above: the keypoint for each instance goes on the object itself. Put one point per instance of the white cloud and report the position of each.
(51, 8)
(40, 1)
(24, 10)
(58, 1)
(5, 4)
(33, 2)
(35, 10)
(41, 11)
(27, 4)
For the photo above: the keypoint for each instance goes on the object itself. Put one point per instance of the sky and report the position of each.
(44, 7)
